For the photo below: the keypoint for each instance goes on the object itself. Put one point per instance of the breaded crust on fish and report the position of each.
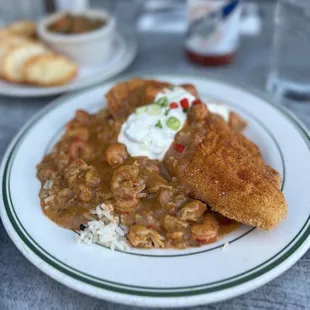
(227, 172)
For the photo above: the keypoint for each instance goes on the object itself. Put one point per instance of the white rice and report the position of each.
(225, 246)
(106, 230)
(48, 184)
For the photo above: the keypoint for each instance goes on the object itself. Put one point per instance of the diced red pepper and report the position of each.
(173, 105)
(184, 103)
(197, 101)
(179, 148)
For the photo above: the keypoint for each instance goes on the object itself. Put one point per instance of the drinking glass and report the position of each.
(290, 65)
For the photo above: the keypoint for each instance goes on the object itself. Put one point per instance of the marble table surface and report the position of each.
(23, 286)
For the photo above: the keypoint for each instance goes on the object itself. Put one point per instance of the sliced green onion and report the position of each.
(167, 112)
(173, 123)
(140, 110)
(159, 125)
(154, 109)
(163, 102)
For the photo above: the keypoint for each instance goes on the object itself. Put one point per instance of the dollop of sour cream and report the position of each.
(152, 128)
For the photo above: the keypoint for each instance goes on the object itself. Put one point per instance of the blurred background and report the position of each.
(162, 28)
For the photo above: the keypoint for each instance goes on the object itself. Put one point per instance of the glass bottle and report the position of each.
(213, 31)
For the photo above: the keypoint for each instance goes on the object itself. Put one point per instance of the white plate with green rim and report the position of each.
(125, 50)
(162, 278)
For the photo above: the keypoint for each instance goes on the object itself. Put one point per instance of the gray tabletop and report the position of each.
(23, 286)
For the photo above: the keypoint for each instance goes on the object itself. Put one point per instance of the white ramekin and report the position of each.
(85, 48)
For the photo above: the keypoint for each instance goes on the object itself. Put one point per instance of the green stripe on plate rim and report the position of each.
(149, 291)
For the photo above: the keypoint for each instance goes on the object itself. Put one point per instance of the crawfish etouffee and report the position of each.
(173, 171)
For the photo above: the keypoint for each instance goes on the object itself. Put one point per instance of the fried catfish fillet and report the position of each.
(227, 171)
(221, 167)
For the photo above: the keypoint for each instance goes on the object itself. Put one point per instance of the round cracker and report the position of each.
(14, 59)
(49, 70)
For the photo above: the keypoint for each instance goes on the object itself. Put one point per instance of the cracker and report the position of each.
(14, 59)
(24, 28)
(49, 70)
